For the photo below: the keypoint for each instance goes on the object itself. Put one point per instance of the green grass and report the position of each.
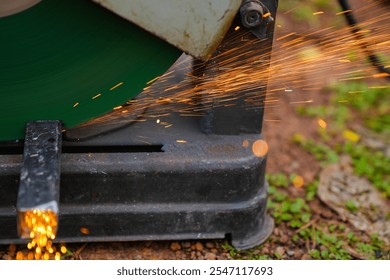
(311, 190)
(373, 165)
(321, 239)
(251, 254)
(328, 246)
(293, 211)
(321, 152)
(353, 101)
(350, 103)
(372, 103)
(338, 116)
(351, 206)
(302, 11)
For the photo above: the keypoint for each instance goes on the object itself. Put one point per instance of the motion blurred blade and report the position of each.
(72, 60)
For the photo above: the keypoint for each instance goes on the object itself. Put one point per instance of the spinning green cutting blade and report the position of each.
(72, 60)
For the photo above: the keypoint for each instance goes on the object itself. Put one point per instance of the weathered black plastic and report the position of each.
(207, 186)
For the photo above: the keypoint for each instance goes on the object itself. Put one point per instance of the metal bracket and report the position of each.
(241, 52)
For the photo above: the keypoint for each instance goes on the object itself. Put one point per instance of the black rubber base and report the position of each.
(182, 184)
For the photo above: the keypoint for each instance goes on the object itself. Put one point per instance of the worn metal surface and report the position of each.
(10, 7)
(39, 184)
(196, 27)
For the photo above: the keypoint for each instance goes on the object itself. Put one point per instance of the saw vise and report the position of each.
(94, 133)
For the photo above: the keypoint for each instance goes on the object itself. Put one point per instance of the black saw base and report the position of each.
(149, 182)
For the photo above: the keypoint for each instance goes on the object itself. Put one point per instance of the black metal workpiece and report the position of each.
(39, 184)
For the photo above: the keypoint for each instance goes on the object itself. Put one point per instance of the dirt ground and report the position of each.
(281, 122)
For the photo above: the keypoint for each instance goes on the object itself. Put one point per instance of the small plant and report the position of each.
(331, 243)
(303, 10)
(373, 165)
(338, 114)
(278, 179)
(311, 190)
(320, 151)
(230, 249)
(294, 211)
(374, 249)
(351, 206)
(327, 246)
(251, 254)
(371, 102)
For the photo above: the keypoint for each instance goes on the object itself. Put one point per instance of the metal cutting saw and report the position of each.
(78, 77)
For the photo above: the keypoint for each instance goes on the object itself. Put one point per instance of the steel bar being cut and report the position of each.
(39, 186)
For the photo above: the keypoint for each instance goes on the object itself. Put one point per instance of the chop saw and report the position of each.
(67, 69)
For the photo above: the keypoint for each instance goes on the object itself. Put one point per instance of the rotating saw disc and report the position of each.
(72, 60)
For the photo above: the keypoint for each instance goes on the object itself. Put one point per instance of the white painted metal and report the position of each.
(195, 26)
(10, 7)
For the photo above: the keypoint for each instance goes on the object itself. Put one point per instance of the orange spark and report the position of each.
(84, 230)
(298, 181)
(260, 148)
(322, 123)
(117, 85)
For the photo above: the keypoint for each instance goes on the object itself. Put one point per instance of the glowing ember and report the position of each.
(380, 75)
(266, 15)
(260, 148)
(117, 85)
(298, 181)
(322, 123)
(97, 95)
(245, 144)
(343, 12)
(40, 227)
(153, 80)
(84, 230)
(63, 249)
